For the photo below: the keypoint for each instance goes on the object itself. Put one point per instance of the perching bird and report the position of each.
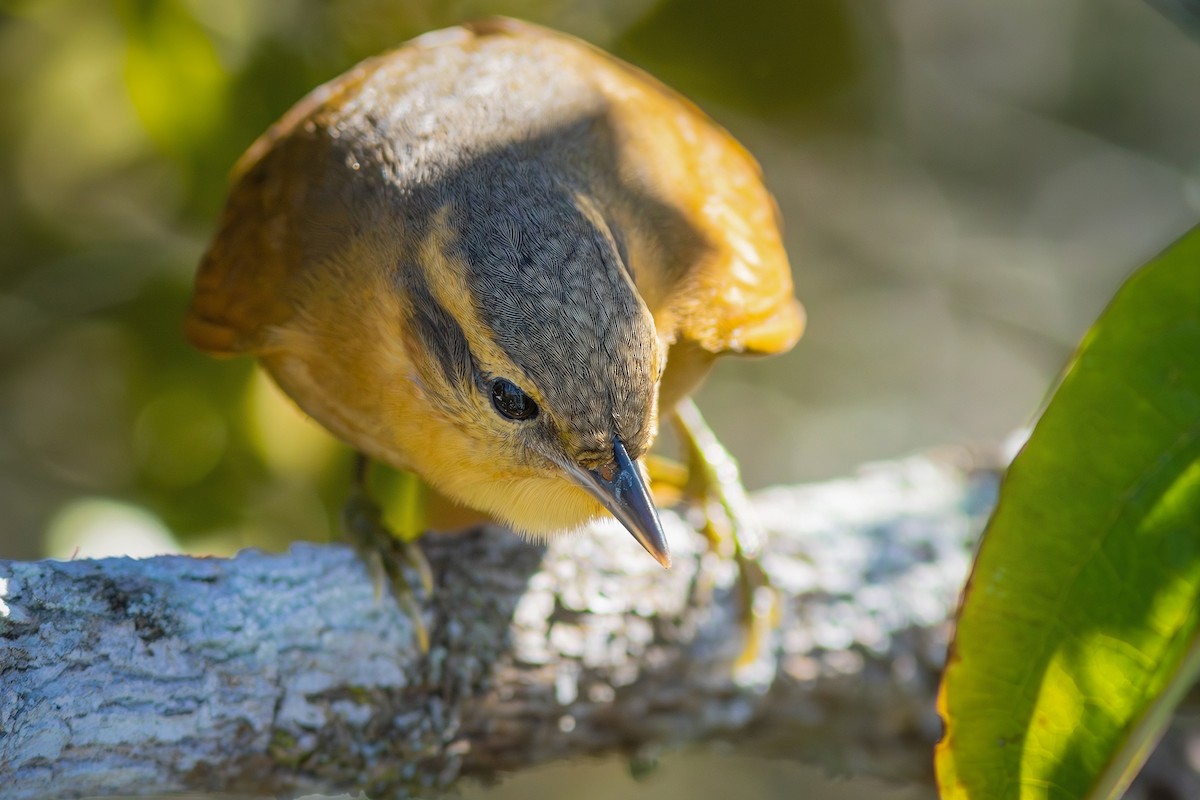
(496, 257)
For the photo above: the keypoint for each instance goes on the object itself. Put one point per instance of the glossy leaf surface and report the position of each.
(1078, 631)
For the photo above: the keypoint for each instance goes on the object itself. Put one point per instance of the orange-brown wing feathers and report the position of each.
(737, 297)
(241, 284)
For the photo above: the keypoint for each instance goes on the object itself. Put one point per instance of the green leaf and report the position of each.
(1078, 630)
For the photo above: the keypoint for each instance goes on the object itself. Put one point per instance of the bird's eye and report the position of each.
(511, 402)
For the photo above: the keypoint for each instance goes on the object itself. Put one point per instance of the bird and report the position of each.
(497, 257)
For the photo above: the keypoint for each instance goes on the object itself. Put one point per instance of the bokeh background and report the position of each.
(964, 185)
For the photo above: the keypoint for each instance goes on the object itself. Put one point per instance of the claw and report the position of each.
(384, 553)
(729, 525)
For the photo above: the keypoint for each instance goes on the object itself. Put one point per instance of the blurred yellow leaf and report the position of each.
(287, 440)
(175, 80)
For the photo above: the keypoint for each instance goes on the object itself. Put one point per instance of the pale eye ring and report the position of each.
(511, 402)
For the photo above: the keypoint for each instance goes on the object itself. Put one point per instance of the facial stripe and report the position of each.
(446, 281)
(441, 336)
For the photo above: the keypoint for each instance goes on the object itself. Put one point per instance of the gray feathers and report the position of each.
(550, 284)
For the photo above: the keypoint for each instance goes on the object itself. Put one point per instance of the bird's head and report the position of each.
(538, 355)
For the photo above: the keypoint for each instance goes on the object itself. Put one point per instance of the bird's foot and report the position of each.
(730, 525)
(386, 553)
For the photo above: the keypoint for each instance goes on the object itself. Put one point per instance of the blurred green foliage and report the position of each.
(121, 121)
(761, 56)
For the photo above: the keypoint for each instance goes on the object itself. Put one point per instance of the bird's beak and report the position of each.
(621, 489)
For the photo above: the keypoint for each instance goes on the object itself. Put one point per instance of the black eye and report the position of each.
(511, 402)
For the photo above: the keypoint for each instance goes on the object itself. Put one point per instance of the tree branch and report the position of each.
(286, 674)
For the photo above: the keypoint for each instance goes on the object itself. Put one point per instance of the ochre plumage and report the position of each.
(488, 206)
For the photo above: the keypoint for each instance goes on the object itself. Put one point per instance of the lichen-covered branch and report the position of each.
(288, 674)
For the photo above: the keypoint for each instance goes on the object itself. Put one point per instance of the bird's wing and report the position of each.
(695, 202)
(272, 223)
(240, 284)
